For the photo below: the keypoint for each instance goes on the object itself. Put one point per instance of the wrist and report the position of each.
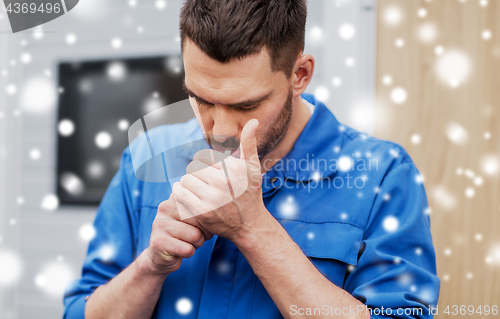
(146, 265)
(259, 235)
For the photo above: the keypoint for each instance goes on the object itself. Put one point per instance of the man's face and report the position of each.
(226, 96)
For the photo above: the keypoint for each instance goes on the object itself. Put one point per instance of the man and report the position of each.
(330, 222)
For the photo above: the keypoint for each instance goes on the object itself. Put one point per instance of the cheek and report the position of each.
(266, 123)
(269, 114)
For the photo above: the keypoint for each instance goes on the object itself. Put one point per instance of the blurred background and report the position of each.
(422, 73)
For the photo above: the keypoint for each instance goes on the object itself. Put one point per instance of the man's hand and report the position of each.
(173, 239)
(203, 192)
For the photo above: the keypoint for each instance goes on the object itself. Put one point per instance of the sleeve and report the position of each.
(396, 272)
(113, 247)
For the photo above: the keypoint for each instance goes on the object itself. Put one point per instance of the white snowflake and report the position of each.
(490, 164)
(393, 15)
(453, 68)
(50, 202)
(103, 140)
(345, 163)
(387, 80)
(399, 95)
(54, 277)
(288, 208)
(394, 152)
(184, 306)
(444, 198)
(422, 12)
(336, 81)
(415, 139)
(66, 127)
(470, 192)
(390, 223)
(71, 38)
(116, 43)
(427, 32)
(347, 31)
(87, 232)
(10, 268)
(486, 35)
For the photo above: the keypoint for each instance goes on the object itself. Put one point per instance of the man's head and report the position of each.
(243, 60)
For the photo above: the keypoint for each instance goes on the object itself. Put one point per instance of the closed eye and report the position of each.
(202, 102)
(248, 109)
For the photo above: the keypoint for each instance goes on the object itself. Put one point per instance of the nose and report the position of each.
(225, 123)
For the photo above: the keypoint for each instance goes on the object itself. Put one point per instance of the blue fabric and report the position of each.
(353, 203)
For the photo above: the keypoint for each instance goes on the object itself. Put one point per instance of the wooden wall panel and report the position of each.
(466, 229)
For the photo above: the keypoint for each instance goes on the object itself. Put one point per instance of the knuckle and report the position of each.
(197, 155)
(181, 196)
(159, 224)
(175, 187)
(155, 224)
(165, 206)
(191, 168)
(187, 251)
(197, 236)
(185, 179)
(155, 243)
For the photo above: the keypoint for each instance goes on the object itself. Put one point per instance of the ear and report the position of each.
(303, 73)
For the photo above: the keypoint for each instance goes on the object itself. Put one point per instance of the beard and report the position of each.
(278, 129)
(272, 136)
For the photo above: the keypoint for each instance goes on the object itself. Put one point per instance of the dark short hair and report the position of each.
(229, 29)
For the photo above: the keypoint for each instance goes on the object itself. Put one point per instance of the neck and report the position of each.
(300, 116)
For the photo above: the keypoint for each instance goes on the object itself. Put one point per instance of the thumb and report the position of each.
(248, 141)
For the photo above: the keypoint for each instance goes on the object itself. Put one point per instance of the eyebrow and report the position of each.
(240, 105)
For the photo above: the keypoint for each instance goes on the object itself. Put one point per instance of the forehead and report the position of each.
(211, 79)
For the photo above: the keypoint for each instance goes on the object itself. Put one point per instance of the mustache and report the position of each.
(231, 143)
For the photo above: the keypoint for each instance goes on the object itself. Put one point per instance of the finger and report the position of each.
(184, 212)
(210, 157)
(205, 174)
(183, 195)
(197, 165)
(249, 142)
(194, 222)
(187, 233)
(169, 208)
(194, 185)
(179, 248)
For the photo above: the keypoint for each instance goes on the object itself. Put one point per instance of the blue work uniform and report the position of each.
(355, 205)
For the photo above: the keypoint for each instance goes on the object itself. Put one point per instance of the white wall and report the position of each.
(38, 236)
